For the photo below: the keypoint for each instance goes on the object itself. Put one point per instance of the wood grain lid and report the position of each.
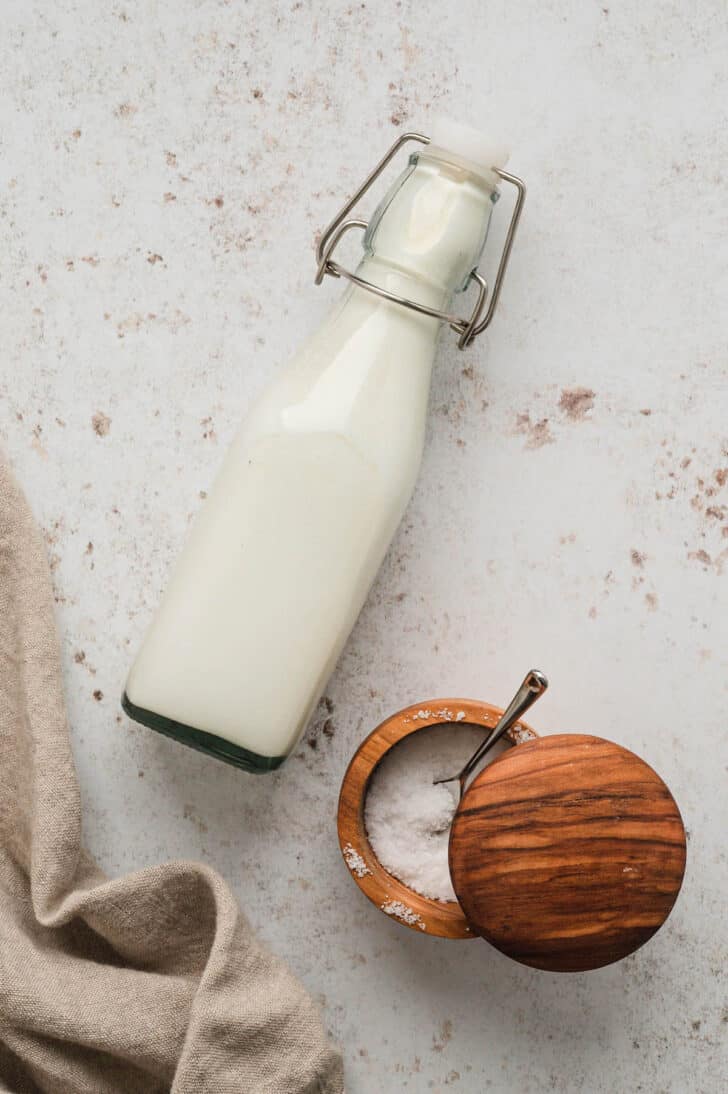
(567, 853)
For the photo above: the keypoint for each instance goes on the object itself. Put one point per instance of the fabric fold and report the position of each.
(150, 982)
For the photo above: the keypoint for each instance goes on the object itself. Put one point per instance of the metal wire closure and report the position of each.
(468, 329)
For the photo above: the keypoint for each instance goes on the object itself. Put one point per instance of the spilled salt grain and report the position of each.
(407, 818)
(401, 911)
(355, 862)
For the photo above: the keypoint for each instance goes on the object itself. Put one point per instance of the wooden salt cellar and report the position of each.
(566, 853)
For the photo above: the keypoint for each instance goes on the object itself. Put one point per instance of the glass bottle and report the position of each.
(290, 538)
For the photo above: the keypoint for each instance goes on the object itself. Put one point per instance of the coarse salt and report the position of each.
(355, 862)
(407, 818)
(401, 911)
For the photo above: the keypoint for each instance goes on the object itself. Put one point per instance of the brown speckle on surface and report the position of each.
(441, 1040)
(189, 813)
(174, 321)
(257, 93)
(126, 110)
(171, 159)
(79, 658)
(399, 102)
(101, 423)
(576, 402)
(98, 695)
(651, 601)
(154, 258)
(208, 430)
(701, 556)
(646, 411)
(322, 725)
(169, 196)
(537, 434)
(638, 558)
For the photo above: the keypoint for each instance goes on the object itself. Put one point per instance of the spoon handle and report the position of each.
(534, 685)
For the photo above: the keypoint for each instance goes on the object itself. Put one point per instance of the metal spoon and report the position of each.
(533, 686)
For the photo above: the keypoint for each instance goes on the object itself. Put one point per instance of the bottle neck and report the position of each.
(428, 233)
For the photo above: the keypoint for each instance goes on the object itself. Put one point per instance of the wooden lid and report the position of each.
(567, 853)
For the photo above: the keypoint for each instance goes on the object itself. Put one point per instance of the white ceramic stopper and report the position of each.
(473, 148)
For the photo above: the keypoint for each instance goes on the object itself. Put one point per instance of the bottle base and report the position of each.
(199, 739)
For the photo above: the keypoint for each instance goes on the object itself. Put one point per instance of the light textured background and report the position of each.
(163, 170)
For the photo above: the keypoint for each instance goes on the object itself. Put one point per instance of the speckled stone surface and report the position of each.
(164, 169)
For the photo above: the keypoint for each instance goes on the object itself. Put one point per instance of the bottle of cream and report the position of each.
(283, 553)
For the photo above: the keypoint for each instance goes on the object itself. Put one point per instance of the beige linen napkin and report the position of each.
(151, 982)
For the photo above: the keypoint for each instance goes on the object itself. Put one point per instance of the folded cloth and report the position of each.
(151, 982)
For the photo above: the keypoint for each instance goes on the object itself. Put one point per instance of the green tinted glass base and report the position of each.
(202, 741)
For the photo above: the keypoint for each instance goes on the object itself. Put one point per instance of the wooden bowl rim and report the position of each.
(419, 913)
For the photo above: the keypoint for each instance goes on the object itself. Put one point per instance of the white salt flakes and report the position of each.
(355, 862)
(407, 818)
(442, 715)
(401, 911)
(521, 734)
